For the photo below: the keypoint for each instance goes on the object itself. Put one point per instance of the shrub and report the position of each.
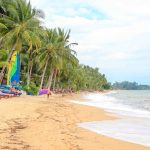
(31, 89)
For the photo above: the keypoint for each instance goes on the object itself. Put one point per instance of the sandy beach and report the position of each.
(35, 123)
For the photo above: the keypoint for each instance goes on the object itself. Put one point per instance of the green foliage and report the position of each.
(82, 77)
(3, 57)
(31, 89)
(107, 86)
(125, 85)
(47, 57)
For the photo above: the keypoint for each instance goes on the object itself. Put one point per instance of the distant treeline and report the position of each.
(125, 85)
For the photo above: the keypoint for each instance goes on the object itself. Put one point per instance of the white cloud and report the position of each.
(119, 41)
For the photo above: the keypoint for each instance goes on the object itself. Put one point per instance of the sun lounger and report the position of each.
(12, 93)
(5, 87)
(4, 96)
(8, 94)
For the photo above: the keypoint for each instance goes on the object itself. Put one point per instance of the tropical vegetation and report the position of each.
(126, 85)
(46, 55)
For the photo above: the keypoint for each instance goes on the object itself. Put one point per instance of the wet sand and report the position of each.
(35, 123)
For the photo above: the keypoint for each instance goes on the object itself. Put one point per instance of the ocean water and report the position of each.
(132, 109)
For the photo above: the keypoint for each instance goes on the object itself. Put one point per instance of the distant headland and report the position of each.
(126, 85)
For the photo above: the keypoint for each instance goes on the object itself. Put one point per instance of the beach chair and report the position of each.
(4, 96)
(13, 94)
(10, 93)
(1, 96)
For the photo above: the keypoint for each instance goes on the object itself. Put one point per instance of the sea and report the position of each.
(132, 108)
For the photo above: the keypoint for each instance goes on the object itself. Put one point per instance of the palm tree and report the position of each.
(45, 52)
(3, 57)
(67, 55)
(62, 54)
(54, 51)
(19, 25)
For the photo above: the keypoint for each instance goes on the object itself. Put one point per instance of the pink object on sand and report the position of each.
(43, 91)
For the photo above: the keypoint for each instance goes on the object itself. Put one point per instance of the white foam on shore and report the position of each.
(111, 104)
(133, 127)
(130, 130)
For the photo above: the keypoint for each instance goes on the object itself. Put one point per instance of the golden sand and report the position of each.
(35, 123)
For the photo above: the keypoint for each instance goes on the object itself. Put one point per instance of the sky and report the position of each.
(113, 35)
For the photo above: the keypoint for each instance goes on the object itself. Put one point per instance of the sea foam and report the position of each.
(133, 125)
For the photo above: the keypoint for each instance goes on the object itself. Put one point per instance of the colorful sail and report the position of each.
(14, 69)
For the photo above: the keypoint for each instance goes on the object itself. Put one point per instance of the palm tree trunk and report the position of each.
(50, 79)
(29, 74)
(47, 82)
(42, 79)
(8, 59)
(54, 81)
(31, 70)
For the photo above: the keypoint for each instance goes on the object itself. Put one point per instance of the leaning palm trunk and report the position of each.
(50, 79)
(42, 79)
(54, 82)
(29, 73)
(8, 59)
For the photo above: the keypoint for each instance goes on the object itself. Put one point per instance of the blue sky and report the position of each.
(113, 35)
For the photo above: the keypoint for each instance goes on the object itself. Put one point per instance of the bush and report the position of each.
(31, 89)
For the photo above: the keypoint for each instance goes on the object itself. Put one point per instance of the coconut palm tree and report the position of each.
(18, 25)
(63, 54)
(3, 57)
(54, 51)
(45, 52)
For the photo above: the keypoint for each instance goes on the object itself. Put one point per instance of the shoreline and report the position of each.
(36, 123)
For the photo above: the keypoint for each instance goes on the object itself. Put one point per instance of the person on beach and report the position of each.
(12, 89)
(48, 93)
